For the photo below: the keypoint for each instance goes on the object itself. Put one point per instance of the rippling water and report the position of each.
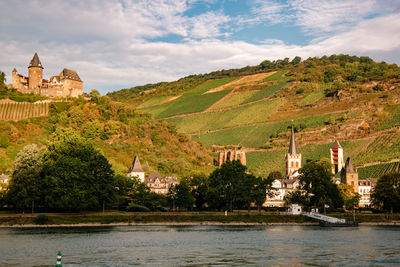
(201, 245)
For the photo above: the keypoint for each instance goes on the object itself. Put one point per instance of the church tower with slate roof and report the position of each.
(136, 169)
(293, 159)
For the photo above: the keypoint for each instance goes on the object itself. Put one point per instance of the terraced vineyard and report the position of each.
(338, 97)
(383, 148)
(375, 171)
(23, 110)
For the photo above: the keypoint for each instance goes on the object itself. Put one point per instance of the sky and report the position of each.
(115, 44)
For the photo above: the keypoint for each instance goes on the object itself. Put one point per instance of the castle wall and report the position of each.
(72, 88)
(19, 82)
(232, 155)
(35, 75)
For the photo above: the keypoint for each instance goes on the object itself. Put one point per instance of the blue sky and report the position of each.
(116, 44)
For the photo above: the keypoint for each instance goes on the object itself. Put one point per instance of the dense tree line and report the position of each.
(386, 194)
(71, 174)
(342, 70)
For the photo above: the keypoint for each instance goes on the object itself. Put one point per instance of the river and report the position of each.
(201, 245)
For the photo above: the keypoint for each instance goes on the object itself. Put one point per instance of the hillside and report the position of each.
(353, 99)
(119, 131)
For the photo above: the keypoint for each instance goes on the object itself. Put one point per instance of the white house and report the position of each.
(136, 169)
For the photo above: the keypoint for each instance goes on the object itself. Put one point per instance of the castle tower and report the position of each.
(349, 175)
(15, 80)
(136, 169)
(293, 159)
(337, 159)
(35, 73)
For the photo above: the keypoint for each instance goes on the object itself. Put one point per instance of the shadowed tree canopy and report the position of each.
(76, 176)
(315, 180)
(231, 187)
(386, 194)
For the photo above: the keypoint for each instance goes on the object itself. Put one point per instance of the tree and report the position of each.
(350, 197)
(24, 184)
(180, 196)
(261, 189)
(123, 187)
(76, 176)
(223, 184)
(230, 187)
(198, 183)
(298, 197)
(315, 180)
(386, 194)
(94, 95)
(296, 60)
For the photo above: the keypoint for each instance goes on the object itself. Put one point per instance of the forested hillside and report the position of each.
(119, 131)
(352, 99)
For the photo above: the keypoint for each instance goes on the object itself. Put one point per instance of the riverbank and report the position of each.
(183, 219)
(180, 224)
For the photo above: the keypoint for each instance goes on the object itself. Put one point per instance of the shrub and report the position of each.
(379, 87)
(41, 219)
(137, 208)
(138, 219)
(4, 141)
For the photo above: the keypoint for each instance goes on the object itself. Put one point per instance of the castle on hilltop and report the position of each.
(67, 83)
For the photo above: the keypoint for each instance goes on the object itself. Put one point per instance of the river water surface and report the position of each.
(201, 245)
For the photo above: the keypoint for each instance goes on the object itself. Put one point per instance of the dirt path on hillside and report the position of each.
(242, 81)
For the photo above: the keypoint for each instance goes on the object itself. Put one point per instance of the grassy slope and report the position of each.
(192, 101)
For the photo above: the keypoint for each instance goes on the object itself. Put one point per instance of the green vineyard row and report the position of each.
(23, 110)
(379, 170)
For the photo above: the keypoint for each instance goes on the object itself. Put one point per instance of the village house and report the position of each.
(154, 180)
(66, 84)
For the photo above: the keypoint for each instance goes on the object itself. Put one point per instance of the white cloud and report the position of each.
(269, 10)
(106, 41)
(330, 15)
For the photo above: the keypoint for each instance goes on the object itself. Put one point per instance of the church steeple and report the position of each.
(292, 145)
(293, 158)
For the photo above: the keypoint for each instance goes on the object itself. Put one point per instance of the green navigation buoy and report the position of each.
(59, 259)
